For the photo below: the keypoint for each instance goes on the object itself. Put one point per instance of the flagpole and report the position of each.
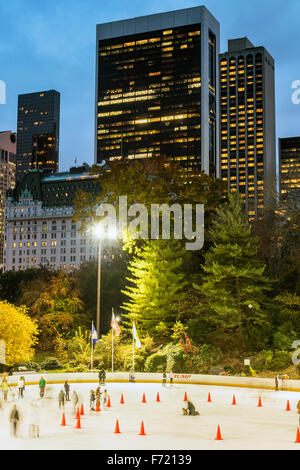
(112, 346)
(132, 351)
(92, 342)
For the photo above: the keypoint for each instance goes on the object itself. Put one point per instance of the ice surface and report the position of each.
(244, 426)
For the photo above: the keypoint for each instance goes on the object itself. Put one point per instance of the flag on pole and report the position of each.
(94, 334)
(135, 335)
(115, 325)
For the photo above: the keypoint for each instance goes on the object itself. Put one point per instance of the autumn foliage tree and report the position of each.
(18, 331)
(57, 308)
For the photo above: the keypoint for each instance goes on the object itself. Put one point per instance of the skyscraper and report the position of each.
(38, 132)
(157, 88)
(247, 124)
(7, 177)
(289, 165)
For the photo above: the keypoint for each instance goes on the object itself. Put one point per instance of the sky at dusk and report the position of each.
(51, 44)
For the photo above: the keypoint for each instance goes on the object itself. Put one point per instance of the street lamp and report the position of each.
(100, 234)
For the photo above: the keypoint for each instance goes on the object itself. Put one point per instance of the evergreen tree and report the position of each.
(158, 295)
(233, 290)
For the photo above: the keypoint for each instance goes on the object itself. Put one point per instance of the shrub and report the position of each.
(29, 366)
(156, 362)
(280, 360)
(51, 363)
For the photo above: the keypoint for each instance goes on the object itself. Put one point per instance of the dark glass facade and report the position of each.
(38, 132)
(149, 96)
(289, 165)
(242, 127)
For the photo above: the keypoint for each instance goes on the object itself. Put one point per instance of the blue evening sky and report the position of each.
(50, 44)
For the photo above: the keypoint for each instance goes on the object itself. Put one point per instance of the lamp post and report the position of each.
(100, 234)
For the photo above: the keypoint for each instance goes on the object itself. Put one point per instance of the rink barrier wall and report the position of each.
(142, 377)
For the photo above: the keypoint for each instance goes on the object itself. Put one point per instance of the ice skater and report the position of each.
(98, 396)
(104, 397)
(61, 399)
(74, 401)
(21, 387)
(14, 419)
(132, 375)
(67, 390)
(92, 400)
(4, 386)
(164, 379)
(190, 410)
(42, 385)
(171, 377)
(34, 421)
(276, 382)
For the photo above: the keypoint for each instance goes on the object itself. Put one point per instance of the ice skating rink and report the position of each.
(243, 426)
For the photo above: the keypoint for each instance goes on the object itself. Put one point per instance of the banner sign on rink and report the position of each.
(182, 376)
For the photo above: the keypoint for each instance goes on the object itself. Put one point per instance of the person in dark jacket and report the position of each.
(190, 410)
(67, 390)
(14, 419)
(164, 380)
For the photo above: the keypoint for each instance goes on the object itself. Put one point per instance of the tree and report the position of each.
(158, 294)
(18, 331)
(232, 298)
(58, 308)
(279, 242)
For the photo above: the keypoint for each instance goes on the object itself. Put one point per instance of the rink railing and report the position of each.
(142, 377)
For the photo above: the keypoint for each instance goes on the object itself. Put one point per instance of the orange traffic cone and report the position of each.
(233, 400)
(81, 409)
(108, 402)
(185, 397)
(98, 406)
(209, 400)
(259, 402)
(157, 397)
(297, 441)
(218, 436)
(288, 408)
(117, 429)
(142, 430)
(63, 421)
(122, 399)
(78, 425)
(77, 413)
(144, 399)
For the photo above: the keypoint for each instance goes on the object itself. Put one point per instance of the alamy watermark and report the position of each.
(163, 220)
(2, 92)
(296, 93)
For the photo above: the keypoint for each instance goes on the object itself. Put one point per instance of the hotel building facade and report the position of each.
(39, 228)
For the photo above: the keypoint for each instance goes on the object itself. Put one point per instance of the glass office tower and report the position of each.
(38, 132)
(157, 89)
(247, 124)
(289, 165)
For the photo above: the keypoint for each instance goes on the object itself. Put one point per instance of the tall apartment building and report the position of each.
(39, 229)
(289, 165)
(38, 132)
(7, 177)
(247, 124)
(157, 88)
